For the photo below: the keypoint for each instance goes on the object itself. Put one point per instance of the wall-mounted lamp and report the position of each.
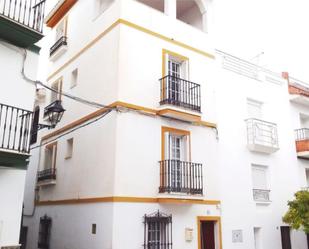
(54, 112)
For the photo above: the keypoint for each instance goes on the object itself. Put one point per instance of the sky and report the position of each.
(277, 30)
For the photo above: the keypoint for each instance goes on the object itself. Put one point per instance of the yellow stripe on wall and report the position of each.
(137, 27)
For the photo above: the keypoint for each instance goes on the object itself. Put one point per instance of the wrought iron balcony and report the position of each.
(29, 13)
(15, 128)
(181, 177)
(261, 195)
(180, 92)
(61, 42)
(47, 174)
(262, 136)
(302, 142)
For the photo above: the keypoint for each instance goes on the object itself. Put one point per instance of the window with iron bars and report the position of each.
(44, 232)
(158, 231)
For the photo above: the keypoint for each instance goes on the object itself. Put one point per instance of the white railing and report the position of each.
(262, 133)
(261, 195)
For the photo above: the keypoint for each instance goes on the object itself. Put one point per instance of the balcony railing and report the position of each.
(29, 13)
(47, 174)
(181, 177)
(15, 127)
(302, 134)
(61, 42)
(262, 135)
(180, 92)
(261, 195)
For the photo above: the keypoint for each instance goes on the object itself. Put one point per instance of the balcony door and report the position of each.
(174, 71)
(177, 156)
(176, 152)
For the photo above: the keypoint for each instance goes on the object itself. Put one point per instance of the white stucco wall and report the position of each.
(71, 226)
(11, 195)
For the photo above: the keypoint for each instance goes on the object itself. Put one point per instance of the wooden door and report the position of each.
(208, 235)
(285, 237)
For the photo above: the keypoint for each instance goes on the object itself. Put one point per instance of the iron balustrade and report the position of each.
(302, 134)
(62, 41)
(180, 92)
(29, 13)
(262, 132)
(15, 128)
(181, 177)
(261, 195)
(47, 174)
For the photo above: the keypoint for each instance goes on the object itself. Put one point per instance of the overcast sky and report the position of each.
(279, 28)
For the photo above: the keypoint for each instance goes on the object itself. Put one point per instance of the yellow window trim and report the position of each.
(174, 131)
(168, 52)
(208, 218)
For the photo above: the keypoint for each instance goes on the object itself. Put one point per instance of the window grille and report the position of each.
(44, 232)
(158, 231)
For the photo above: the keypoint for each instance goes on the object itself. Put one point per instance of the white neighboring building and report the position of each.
(260, 168)
(20, 28)
(153, 169)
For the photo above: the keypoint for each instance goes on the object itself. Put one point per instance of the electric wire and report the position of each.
(76, 98)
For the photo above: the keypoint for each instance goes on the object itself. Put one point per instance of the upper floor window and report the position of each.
(176, 163)
(260, 183)
(69, 149)
(157, 231)
(176, 144)
(74, 77)
(44, 232)
(254, 108)
(175, 65)
(60, 44)
(57, 86)
(176, 89)
(61, 29)
(50, 156)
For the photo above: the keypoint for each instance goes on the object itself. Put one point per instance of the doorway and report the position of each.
(285, 237)
(209, 233)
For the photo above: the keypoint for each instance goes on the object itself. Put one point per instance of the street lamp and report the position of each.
(54, 112)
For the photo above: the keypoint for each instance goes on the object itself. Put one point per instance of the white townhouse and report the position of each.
(170, 143)
(21, 25)
(137, 169)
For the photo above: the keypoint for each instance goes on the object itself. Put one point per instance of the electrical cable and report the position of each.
(79, 99)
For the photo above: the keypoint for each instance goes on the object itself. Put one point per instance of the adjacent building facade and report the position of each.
(20, 28)
(170, 143)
